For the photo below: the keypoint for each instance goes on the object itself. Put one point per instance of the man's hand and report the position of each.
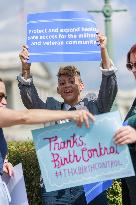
(101, 40)
(8, 168)
(125, 135)
(82, 116)
(24, 57)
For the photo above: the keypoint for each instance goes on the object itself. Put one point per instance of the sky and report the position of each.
(13, 33)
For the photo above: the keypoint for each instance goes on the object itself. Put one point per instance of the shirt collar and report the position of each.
(78, 106)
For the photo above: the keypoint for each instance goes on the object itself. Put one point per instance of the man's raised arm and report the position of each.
(28, 91)
(108, 87)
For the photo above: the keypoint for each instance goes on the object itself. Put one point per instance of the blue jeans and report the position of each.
(70, 196)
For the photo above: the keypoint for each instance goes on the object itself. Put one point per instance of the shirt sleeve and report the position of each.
(23, 81)
(108, 71)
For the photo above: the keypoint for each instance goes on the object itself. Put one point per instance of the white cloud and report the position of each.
(74, 5)
(7, 22)
(122, 23)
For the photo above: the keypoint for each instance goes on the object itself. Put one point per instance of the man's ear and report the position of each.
(58, 90)
(81, 86)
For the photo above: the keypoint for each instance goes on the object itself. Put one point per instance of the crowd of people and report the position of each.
(70, 86)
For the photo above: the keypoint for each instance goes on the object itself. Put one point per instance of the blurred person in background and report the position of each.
(127, 135)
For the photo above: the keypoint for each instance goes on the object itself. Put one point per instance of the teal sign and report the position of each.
(71, 156)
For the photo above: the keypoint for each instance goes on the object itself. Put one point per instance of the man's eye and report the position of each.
(61, 83)
(72, 81)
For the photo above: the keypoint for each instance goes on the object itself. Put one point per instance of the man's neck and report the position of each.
(72, 104)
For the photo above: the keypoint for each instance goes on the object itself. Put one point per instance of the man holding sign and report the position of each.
(69, 87)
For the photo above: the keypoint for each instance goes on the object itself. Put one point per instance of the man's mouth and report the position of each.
(68, 91)
(3, 106)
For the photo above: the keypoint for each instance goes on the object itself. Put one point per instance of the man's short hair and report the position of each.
(1, 80)
(69, 70)
(132, 50)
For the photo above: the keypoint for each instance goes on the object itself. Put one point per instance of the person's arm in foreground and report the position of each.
(125, 135)
(10, 117)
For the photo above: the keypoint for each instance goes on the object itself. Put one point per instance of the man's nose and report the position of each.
(4, 101)
(133, 69)
(67, 84)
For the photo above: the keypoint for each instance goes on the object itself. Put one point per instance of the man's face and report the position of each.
(3, 101)
(133, 60)
(70, 88)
